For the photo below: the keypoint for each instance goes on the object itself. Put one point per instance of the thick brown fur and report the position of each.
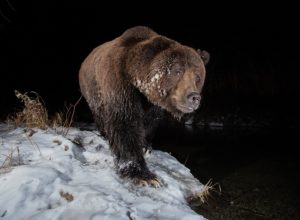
(129, 82)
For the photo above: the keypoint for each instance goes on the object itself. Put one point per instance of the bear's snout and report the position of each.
(193, 100)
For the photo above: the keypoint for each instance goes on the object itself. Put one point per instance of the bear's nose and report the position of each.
(194, 98)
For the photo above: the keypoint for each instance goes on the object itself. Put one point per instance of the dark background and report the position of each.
(251, 87)
(252, 76)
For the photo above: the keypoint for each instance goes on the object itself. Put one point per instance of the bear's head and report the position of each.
(174, 78)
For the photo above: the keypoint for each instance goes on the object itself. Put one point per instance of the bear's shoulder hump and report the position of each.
(136, 34)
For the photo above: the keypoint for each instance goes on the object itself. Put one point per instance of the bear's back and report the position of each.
(128, 39)
(135, 35)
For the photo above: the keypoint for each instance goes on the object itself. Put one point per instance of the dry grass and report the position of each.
(62, 121)
(34, 113)
(204, 194)
(11, 159)
(8, 160)
(34, 144)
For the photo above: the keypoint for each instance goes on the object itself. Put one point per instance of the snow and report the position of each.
(44, 175)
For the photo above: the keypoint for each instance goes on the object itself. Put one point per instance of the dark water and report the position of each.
(257, 168)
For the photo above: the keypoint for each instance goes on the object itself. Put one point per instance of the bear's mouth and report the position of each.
(186, 108)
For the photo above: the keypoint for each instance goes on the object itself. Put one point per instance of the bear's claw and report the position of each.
(147, 151)
(150, 182)
(138, 173)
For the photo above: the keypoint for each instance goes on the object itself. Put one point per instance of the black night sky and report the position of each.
(253, 74)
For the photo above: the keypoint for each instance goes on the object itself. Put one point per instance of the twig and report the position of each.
(11, 6)
(19, 158)
(5, 18)
(72, 115)
(33, 144)
(6, 157)
(3, 214)
(186, 159)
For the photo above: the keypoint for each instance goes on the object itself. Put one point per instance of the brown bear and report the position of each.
(130, 82)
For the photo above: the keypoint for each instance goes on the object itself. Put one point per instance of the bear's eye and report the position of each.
(176, 69)
(177, 72)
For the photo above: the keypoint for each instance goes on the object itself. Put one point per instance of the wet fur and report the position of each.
(119, 82)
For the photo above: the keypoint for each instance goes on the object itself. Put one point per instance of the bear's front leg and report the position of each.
(138, 172)
(126, 135)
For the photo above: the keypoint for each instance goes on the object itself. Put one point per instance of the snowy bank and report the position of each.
(44, 175)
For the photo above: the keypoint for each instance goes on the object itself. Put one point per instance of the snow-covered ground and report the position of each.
(44, 175)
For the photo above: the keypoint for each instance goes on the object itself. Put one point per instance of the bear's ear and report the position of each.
(204, 55)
